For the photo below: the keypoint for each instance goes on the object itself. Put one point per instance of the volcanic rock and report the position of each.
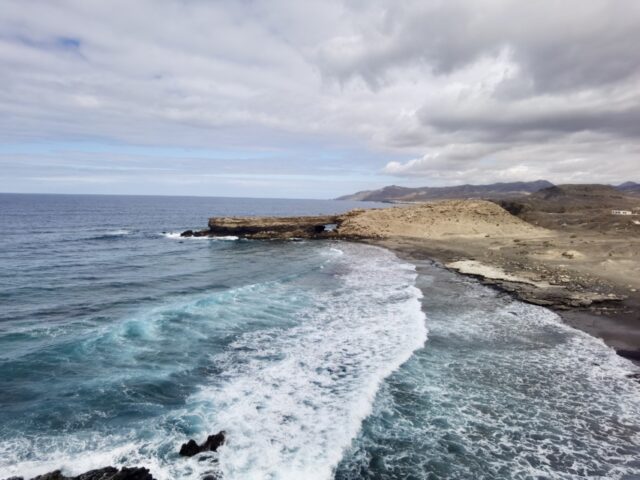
(211, 444)
(106, 473)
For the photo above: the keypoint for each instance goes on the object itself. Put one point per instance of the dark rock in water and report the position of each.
(211, 444)
(106, 473)
(197, 233)
(56, 475)
(125, 474)
(631, 354)
(189, 449)
(634, 376)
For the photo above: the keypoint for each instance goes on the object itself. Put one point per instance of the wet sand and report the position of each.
(591, 280)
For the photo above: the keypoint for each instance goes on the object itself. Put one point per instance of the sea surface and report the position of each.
(119, 341)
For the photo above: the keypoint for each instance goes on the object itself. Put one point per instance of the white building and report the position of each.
(621, 212)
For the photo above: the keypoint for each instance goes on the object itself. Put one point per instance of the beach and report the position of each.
(595, 289)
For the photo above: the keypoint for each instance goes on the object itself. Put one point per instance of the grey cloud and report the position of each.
(558, 45)
(536, 125)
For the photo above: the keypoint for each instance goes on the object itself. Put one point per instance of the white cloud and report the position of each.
(451, 91)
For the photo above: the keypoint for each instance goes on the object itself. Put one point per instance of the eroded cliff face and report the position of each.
(275, 227)
(319, 226)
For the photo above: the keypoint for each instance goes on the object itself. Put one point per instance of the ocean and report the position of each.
(119, 341)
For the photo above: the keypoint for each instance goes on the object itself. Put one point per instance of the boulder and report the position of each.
(211, 444)
(630, 354)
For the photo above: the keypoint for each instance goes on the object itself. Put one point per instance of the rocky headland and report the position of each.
(451, 218)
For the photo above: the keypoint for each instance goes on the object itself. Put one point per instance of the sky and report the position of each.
(315, 99)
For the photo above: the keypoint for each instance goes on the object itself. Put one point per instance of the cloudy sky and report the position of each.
(313, 98)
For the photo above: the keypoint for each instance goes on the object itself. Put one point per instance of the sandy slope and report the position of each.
(449, 218)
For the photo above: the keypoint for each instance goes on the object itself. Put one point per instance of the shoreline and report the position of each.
(590, 278)
(613, 322)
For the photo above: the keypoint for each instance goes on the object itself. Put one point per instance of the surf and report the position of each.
(289, 366)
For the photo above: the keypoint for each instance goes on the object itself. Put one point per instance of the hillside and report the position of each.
(630, 188)
(576, 207)
(442, 219)
(395, 193)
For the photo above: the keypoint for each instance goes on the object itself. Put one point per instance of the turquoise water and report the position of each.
(119, 340)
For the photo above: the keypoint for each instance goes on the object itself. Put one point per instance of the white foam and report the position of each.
(293, 391)
(176, 236)
(512, 390)
(296, 398)
(172, 235)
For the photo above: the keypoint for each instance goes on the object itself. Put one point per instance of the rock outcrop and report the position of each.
(189, 449)
(631, 354)
(211, 444)
(274, 227)
(557, 296)
(106, 473)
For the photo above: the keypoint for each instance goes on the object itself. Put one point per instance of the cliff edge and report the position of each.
(449, 218)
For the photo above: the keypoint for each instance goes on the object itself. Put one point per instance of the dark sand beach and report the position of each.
(613, 316)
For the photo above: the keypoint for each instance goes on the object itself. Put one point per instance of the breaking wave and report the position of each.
(289, 368)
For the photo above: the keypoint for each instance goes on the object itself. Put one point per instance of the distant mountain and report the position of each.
(494, 191)
(575, 207)
(582, 195)
(630, 188)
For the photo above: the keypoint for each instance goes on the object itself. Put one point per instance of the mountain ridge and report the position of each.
(630, 188)
(407, 194)
(493, 191)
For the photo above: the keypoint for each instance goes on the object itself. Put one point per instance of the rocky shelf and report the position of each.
(319, 226)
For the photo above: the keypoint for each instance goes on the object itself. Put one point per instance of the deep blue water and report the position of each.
(119, 340)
